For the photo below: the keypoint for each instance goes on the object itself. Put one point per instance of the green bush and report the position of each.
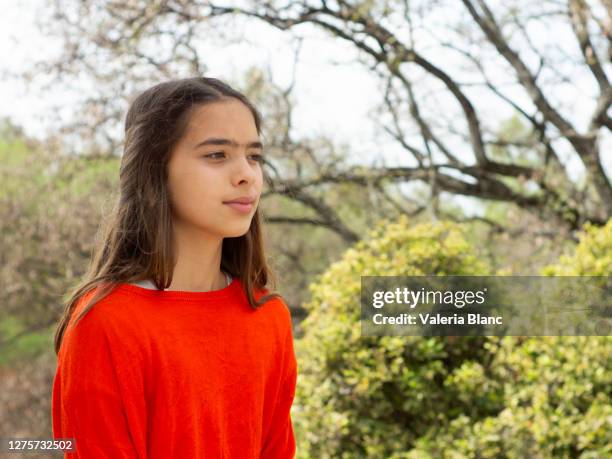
(592, 257)
(452, 397)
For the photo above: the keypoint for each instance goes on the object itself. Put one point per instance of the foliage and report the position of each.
(372, 396)
(592, 257)
(49, 209)
(419, 397)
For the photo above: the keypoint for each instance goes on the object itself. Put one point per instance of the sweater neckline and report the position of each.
(222, 293)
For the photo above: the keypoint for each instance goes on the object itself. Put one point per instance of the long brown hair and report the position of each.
(136, 242)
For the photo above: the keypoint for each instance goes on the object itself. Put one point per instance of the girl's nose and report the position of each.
(245, 170)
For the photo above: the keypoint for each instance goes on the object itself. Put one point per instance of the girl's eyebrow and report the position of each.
(233, 143)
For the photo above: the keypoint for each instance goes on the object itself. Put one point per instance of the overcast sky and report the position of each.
(331, 99)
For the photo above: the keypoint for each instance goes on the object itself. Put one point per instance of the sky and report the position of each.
(336, 104)
(332, 99)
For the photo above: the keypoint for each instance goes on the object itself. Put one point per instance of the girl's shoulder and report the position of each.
(102, 307)
(275, 306)
(111, 320)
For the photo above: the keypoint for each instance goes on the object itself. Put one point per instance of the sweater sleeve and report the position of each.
(280, 441)
(98, 396)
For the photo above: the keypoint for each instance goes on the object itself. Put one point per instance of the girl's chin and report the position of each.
(235, 230)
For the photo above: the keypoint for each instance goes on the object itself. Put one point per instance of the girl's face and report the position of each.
(217, 160)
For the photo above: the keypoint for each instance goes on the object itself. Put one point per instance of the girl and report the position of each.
(186, 353)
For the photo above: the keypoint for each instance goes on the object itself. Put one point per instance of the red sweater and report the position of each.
(171, 374)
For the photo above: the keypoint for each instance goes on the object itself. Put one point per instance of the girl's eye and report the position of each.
(258, 158)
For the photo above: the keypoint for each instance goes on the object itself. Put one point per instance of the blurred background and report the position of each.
(403, 138)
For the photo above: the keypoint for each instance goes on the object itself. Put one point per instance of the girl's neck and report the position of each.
(151, 285)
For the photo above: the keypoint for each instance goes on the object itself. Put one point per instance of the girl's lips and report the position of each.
(243, 208)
